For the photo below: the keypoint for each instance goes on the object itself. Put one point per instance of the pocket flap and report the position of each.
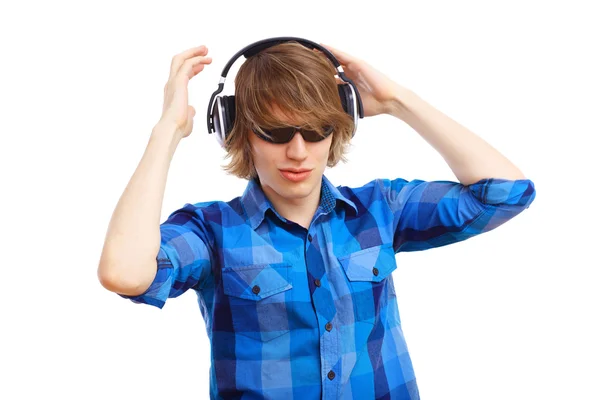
(255, 282)
(373, 264)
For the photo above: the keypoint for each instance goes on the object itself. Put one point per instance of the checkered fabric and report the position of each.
(310, 314)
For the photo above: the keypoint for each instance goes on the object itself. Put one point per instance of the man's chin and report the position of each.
(297, 189)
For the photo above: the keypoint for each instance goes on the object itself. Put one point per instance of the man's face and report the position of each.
(271, 160)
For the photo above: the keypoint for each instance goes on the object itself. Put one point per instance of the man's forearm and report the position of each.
(470, 157)
(133, 238)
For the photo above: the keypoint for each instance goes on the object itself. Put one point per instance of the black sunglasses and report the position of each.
(285, 134)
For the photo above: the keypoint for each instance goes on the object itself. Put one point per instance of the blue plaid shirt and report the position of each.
(305, 314)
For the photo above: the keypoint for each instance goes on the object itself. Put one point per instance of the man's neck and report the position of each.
(300, 211)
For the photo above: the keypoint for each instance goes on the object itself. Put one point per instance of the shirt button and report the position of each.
(309, 237)
(375, 271)
(317, 283)
(328, 326)
(255, 289)
(331, 375)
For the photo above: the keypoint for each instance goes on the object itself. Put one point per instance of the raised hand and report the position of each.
(184, 67)
(377, 91)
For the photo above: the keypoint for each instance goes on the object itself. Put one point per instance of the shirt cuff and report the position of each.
(158, 292)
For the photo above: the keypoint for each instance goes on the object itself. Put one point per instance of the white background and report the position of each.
(511, 314)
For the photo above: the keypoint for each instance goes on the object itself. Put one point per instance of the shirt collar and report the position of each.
(256, 203)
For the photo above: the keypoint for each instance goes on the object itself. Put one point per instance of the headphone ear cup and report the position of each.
(348, 102)
(229, 114)
(343, 96)
(218, 119)
(347, 99)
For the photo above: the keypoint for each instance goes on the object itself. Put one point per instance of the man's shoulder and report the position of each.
(211, 209)
(374, 191)
(377, 184)
(216, 206)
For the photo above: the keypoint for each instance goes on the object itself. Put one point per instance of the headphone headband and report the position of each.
(261, 45)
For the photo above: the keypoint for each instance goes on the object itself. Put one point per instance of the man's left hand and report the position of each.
(377, 91)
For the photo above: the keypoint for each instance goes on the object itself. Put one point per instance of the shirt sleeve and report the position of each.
(438, 213)
(183, 260)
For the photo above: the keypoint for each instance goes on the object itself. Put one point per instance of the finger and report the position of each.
(192, 66)
(180, 58)
(346, 70)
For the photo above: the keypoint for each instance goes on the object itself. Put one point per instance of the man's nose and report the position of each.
(297, 147)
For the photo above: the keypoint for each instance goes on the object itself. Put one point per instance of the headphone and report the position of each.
(220, 115)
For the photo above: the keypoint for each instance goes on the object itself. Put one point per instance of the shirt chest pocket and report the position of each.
(367, 271)
(257, 299)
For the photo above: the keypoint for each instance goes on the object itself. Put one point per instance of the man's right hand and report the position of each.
(176, 108)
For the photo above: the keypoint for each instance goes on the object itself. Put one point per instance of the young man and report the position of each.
(294, 277)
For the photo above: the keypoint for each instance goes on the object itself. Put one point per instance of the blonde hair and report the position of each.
(301, 83)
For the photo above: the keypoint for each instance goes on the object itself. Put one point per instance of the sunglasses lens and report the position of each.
(284, 135)
(313, 136)
(281, 135)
